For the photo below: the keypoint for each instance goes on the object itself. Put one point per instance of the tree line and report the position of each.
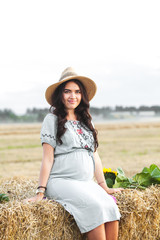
(37, 115)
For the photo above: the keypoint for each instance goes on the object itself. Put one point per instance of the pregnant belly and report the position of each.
(77, 165)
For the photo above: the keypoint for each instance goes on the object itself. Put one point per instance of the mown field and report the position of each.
(128, 145)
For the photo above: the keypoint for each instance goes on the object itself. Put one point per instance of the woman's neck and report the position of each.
(71, 115)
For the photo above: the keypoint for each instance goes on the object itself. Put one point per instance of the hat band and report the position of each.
(68, 74)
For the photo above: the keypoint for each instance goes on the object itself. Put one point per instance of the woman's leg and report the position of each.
(112, 230)
(97, 233)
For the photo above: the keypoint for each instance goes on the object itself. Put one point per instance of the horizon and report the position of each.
(113, 108)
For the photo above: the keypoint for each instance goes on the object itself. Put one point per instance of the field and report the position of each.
(128, 145)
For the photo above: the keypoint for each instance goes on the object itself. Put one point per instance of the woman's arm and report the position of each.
(47, 162)
(99, 175)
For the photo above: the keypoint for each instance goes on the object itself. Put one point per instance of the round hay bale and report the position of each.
(47, 219)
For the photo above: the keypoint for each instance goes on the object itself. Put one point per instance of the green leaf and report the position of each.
(146, 170)
(120, 171)
(121, 184)
(143, 179)
(109, 182)
(154, 172)
(121, 178)
(156, 175)
(153, 167)
(130, 181)
(3, 197)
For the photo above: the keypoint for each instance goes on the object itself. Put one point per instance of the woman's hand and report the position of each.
(114, 190)
(110, 190)
(36, 198)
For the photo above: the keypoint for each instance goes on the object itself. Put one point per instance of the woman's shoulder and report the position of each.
(50, 117)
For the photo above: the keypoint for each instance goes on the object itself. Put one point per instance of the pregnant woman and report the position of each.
(70, 159)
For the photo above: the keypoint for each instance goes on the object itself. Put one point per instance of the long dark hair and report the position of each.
(81, 111)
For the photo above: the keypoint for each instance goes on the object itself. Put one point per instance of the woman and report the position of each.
(70, 159)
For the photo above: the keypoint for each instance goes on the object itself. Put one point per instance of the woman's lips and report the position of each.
(72, 102)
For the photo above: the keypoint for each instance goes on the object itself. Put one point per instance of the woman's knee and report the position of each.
(97, 233)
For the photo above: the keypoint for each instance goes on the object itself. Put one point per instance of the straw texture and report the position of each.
(47, 219)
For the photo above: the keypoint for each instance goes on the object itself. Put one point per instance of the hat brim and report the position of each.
(88, 83)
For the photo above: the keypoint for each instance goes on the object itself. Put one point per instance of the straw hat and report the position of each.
(69, 74)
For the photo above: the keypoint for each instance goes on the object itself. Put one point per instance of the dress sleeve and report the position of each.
(49, 130)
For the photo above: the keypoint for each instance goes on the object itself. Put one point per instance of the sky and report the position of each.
(116, 43)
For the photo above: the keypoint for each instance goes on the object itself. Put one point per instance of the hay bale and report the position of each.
(140, 212)
(47, 219)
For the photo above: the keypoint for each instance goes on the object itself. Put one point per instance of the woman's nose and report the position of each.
(72, 94)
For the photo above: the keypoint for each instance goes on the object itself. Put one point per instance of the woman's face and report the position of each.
(71, 96)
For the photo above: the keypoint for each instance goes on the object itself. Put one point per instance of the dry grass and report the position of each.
(47, 219)
(20, 150)
(131, 146)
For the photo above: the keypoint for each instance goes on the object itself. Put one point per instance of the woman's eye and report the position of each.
(66, 91)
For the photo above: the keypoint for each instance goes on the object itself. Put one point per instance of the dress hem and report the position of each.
(96, 225)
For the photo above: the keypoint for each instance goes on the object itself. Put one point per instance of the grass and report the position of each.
(130, 146)
(19, 147)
